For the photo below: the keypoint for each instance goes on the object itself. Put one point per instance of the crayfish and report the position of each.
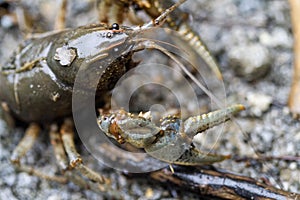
(37, 86)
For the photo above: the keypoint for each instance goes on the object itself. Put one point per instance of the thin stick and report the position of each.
(219, 184)
(294, 97)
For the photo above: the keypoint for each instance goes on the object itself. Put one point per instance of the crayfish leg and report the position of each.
(26, 143)
(60, 21)
(62, 160)
(67, 136)
(24, 21)
(102, 7)
(63, 143)
(23, 147)
(58, 148)
(6, 115)
(110, 11)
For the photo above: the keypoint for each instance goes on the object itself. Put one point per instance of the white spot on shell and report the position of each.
(55, 96)
(65, 55)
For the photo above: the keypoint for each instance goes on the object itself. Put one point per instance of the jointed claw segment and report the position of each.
(171, 141)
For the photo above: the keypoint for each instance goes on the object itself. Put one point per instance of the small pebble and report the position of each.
(279, 37)
(54, 197)
(9, 179)
(7, 21)
(25, 180)
(149, 193)
(250, 61)
(293, 166)
(6, 193)
(258, 103)
(250, 6)
(267, 137)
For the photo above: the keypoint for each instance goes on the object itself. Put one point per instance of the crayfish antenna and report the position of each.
(161, 18)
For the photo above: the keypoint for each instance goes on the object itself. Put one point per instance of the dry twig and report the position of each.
(219, 184)
(294, 98)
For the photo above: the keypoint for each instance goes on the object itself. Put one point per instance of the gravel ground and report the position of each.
(252, 41)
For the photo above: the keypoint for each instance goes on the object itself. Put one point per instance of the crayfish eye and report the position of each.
(109, 34)
(115, 26)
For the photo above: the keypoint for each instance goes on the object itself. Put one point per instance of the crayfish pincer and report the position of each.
(37, 84)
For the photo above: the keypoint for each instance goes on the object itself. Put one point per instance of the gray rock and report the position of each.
(9, 179)
(279, 37)
(7, 22)
(6, 193)
(258, 103)
(236, 36)
(250, 6)
(250, 61)
(25, 179)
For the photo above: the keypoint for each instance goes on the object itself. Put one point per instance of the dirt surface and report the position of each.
(251, 40)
